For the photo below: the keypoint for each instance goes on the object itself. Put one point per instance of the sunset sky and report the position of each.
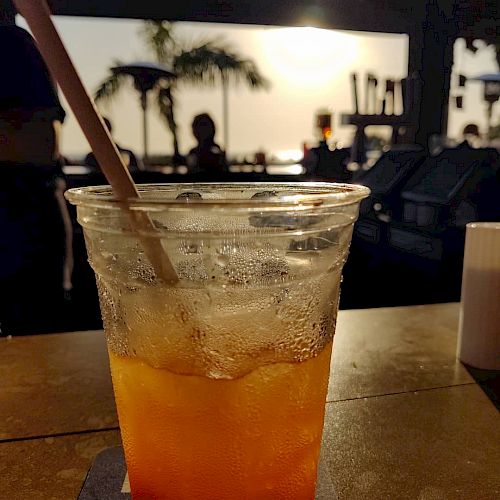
(308, 69)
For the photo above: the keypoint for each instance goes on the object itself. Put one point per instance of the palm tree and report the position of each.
(207, 63)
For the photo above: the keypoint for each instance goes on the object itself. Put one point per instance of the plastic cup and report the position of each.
(220, 379)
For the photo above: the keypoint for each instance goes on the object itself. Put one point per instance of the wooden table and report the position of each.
(404, 419)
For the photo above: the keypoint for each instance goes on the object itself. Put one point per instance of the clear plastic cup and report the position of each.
(220, 379)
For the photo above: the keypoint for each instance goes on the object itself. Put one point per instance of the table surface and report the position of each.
(404, 419)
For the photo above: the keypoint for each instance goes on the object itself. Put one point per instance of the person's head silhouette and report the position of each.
(471, 129)
(203, 128)
(471, 136)
(207, 155)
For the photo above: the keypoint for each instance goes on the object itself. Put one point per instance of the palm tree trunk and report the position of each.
(175, 141)
(173, 124)
(225, 111)
(144, 106)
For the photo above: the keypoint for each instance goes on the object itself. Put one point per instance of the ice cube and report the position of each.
(192, 270)
(244, 265)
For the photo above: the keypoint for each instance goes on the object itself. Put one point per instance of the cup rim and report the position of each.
(492, 226)
(308, 195)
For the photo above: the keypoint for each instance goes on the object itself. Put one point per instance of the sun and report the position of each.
(309, 56)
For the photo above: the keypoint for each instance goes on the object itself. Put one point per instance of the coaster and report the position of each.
(107, 479)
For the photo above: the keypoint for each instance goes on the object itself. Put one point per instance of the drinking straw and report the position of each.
(37, 15)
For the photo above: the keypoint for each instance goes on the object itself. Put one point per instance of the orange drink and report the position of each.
(255, 437)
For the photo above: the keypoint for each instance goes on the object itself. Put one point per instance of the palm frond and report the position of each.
(196, 65)
(160, 39)
(109, 87)
(209, 62)
(253, 76)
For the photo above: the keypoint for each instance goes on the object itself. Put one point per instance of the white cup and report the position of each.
(479, 328)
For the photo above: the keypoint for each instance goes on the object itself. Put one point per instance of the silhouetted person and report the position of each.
(321, 161)
(471, 135)
(36, 258)
(207, 156)
(129, 158)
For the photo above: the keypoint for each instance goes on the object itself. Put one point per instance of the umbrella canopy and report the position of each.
(145, 74)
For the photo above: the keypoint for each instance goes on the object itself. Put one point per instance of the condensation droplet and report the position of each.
(222, 260)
